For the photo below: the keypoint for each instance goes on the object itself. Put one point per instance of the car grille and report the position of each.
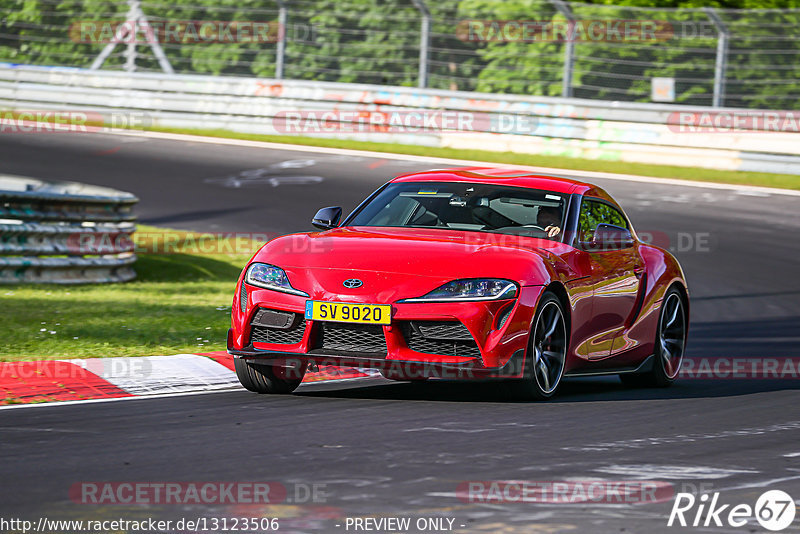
(449, 338)
(274, 326)
(352, 338)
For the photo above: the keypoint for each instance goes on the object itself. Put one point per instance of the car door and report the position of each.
(615, 275)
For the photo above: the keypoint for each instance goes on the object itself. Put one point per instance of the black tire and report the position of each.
(546, 356)
(670, 345)
(264, 379)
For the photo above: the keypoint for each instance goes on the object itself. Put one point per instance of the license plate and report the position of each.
(342, 312)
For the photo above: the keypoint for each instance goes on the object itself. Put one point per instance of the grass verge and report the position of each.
(784, 181)
(179, 296)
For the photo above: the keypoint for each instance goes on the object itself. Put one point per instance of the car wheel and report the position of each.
(669, 346)
(264, 379)
(547, 351)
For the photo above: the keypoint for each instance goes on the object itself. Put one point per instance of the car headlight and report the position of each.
(270, 277)
(472, 289)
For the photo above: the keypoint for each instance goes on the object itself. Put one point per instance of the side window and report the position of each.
(594, 213)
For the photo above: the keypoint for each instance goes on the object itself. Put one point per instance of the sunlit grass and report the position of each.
(179, 302)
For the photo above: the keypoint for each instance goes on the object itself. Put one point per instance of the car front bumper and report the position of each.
(499, 329)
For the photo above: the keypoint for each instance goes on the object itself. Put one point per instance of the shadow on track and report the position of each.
(746, 295)
(771, 337)
(595, 389)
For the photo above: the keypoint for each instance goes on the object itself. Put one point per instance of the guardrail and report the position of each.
(64, 232)
(621, 131)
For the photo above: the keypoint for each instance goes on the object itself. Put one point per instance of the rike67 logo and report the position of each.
(774, 510)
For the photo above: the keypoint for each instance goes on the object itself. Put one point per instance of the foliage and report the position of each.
(179, 302)
(378, 42)
(595, 213)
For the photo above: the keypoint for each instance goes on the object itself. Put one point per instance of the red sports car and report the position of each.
(464, 274)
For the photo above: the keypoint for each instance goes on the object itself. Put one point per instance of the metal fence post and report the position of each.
(424, 41)
(130, 51)
(569, 48)
(280, 50)
(134, 18)
(721, 63)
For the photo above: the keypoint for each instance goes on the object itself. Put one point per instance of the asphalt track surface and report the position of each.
(385, 449)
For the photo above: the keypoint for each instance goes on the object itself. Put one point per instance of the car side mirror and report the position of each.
(610, 237)
(327, 218)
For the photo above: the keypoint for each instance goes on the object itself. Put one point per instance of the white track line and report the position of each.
(450, 161)
(153, 375)
(758, 484)
(113, 399)
(167, 395)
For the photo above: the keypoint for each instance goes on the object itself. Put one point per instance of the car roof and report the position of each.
(495, 176)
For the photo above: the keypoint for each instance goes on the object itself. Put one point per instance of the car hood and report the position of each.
(404, 262)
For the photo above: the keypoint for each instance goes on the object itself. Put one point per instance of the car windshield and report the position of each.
(466, 206)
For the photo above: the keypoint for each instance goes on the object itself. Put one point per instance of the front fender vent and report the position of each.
(243, 298)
